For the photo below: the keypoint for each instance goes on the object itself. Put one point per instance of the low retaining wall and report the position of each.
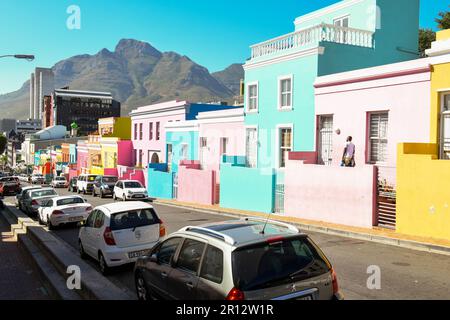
(160, 182)
(331, 194)
(247, 188)
(196, 186)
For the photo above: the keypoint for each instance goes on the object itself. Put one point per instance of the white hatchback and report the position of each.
(119, 233)
(130, 190)
(64, 210)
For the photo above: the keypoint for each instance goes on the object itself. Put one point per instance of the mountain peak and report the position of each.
(130, 48)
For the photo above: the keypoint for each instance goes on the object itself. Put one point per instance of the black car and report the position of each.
(73, 184)
(104, 186)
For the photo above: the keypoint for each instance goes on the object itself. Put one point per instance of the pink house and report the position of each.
(148, 128)
(83, 157)
(379, 107)
(221, 135)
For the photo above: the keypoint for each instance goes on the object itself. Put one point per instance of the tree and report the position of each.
(426, 37)
(443, 20)
(3, 143)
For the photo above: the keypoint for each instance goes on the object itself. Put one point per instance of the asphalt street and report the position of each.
(405, 273)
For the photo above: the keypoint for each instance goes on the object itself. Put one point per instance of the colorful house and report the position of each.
(148, 129)
(279, 78)
(423, 175)
(83, 157)
(115, 128)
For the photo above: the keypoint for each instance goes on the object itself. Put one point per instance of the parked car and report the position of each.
(9, 186)
(212, 262)
(19, 196)
(116, 234)
(104, 186)
(85, 183)
(58, 211)
(24, 178)
(72, 185)
(37, 179)
(59, 182)
(130, 190)
(32, 199)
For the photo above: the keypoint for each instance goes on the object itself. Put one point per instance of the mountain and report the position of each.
(231, 77)
(136, 74)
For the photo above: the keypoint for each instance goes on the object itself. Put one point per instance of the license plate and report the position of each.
(75, 219)
(307, 298)
(138, 254)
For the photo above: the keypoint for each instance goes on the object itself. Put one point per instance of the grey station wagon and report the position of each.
(237, 260)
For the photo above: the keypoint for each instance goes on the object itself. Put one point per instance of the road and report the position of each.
(405, 273)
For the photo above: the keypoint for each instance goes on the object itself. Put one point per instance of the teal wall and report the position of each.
(177, 139)
(160, 182)
(247, 189)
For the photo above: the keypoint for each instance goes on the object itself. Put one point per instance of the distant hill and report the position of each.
(136, 74)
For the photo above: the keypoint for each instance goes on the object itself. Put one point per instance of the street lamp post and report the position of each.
(28, 57)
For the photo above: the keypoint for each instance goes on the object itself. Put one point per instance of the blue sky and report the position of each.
(213, 33)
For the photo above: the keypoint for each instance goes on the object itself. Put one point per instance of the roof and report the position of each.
(84, 94)
(244, 231)
(122, 207)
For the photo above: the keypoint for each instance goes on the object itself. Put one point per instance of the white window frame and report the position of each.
(184, 151)
(443, 113)
(278, 143)
(280, 80)
(369, 138)
(224, 146)
(344, 35)
(250, 84)
(257, 144)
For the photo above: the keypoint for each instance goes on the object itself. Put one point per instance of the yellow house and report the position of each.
(115, 128)
(423, 170)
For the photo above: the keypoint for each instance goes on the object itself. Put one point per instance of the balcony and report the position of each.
(312, 36)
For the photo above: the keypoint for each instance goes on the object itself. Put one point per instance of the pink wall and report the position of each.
(125, 153)
(111, 172)
(403, 90)
(306, 157)
(82, 159)
(196, 186)
(210, 157)
(330, 194)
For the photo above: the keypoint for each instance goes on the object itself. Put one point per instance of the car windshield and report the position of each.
(92, 178)
(60, 179)
(133, 219)
(43, 193)
(110, 179)
(8, 180)
(276, 263)
(133, 185)
(68, 201)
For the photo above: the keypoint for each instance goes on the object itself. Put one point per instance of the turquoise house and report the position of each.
(182, 139)
(279, 89)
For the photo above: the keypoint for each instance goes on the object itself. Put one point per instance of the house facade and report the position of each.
(279, 78)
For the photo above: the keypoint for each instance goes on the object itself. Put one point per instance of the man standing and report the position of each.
(348, 158)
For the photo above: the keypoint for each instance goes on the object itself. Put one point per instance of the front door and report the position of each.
(251, 147)
(325, 140)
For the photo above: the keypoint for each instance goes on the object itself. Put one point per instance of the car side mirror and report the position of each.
(154, 258)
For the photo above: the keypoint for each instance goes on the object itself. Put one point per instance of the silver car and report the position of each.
(246, 259)
(32, 200)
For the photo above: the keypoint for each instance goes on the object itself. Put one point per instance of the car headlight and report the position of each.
(106, 186)
(130, 192)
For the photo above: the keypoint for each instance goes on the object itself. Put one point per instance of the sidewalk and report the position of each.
(375, 234)
(18, 280)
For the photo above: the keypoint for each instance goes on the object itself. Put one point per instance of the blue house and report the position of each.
(279, 86)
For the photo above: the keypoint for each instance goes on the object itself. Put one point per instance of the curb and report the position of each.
(407, 244)
(49, 251)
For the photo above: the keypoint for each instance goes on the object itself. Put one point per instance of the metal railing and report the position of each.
(321, 32)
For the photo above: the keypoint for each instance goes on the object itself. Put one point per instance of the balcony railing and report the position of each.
(322, 32)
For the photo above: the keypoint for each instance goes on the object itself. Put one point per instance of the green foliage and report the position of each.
(443, 20)
(426, 37)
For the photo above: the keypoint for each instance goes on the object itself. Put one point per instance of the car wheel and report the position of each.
(104, 269)
(102, 196)
(124, 198)
(78, 191)
(83, 254)
(141, 288)
(49, 224)
(94, 194)
(114, 197)
(40, 220)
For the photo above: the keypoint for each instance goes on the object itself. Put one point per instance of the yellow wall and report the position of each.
(443, 35)
(423, 192)
(97, 170)
(122, 128)
(109, 156)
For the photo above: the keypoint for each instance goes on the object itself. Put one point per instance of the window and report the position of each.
(141, 132)
(223, 146)
(251, 147)
(184, 151)
(158, 131)
(252, 102)
(141, 153)
(285, 93)
(285, 145)
(151, 131)
(133, 219)
(212, 267)
(378, 137)
(203, 142)
(167, 250)
(341, 33)
(135, 131)
(99, 220)
(190, 255)
(445, 127)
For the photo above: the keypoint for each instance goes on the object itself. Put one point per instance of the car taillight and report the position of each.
(162, 229)
(57, 213)
(335, 282)
(235, 295)
(109, 237)
(34, 203)
(89, 209)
